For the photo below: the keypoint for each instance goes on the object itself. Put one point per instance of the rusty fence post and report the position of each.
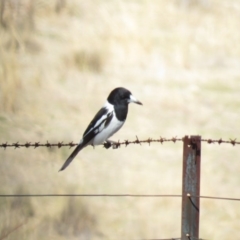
(191, 187)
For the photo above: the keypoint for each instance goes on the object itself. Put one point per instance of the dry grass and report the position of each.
(59, 60)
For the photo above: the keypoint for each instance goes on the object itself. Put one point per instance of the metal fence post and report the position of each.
(191, 187)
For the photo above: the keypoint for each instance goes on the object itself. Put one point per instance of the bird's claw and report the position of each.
(109, 144)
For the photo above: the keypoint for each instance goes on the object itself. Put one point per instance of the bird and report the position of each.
(108, 120)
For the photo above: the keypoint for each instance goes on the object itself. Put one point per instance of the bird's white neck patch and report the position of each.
(108, 106)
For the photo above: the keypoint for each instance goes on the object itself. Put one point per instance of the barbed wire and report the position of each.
(117, 144)
(114, 145)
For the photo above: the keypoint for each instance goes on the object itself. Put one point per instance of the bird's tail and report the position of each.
(72, 156)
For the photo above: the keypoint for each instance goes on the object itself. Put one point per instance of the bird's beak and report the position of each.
(134, 100)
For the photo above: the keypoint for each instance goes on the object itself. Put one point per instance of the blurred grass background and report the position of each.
(59, 61)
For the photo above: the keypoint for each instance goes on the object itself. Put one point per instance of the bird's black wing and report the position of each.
(101, 114)
(99, 122)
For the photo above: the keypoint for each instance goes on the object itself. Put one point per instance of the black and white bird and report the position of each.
(106, 122)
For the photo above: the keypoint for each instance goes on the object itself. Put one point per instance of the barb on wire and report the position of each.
(113, 144)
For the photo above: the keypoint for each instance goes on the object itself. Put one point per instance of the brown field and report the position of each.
(59, 61)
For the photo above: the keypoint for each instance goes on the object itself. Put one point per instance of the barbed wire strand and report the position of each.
(117, 144)
(161, 140)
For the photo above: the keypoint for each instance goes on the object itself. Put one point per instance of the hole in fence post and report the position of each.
(191, 187)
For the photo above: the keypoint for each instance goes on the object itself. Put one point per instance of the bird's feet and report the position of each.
(109, 143)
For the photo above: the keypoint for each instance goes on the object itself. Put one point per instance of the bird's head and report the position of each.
(122, 96)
